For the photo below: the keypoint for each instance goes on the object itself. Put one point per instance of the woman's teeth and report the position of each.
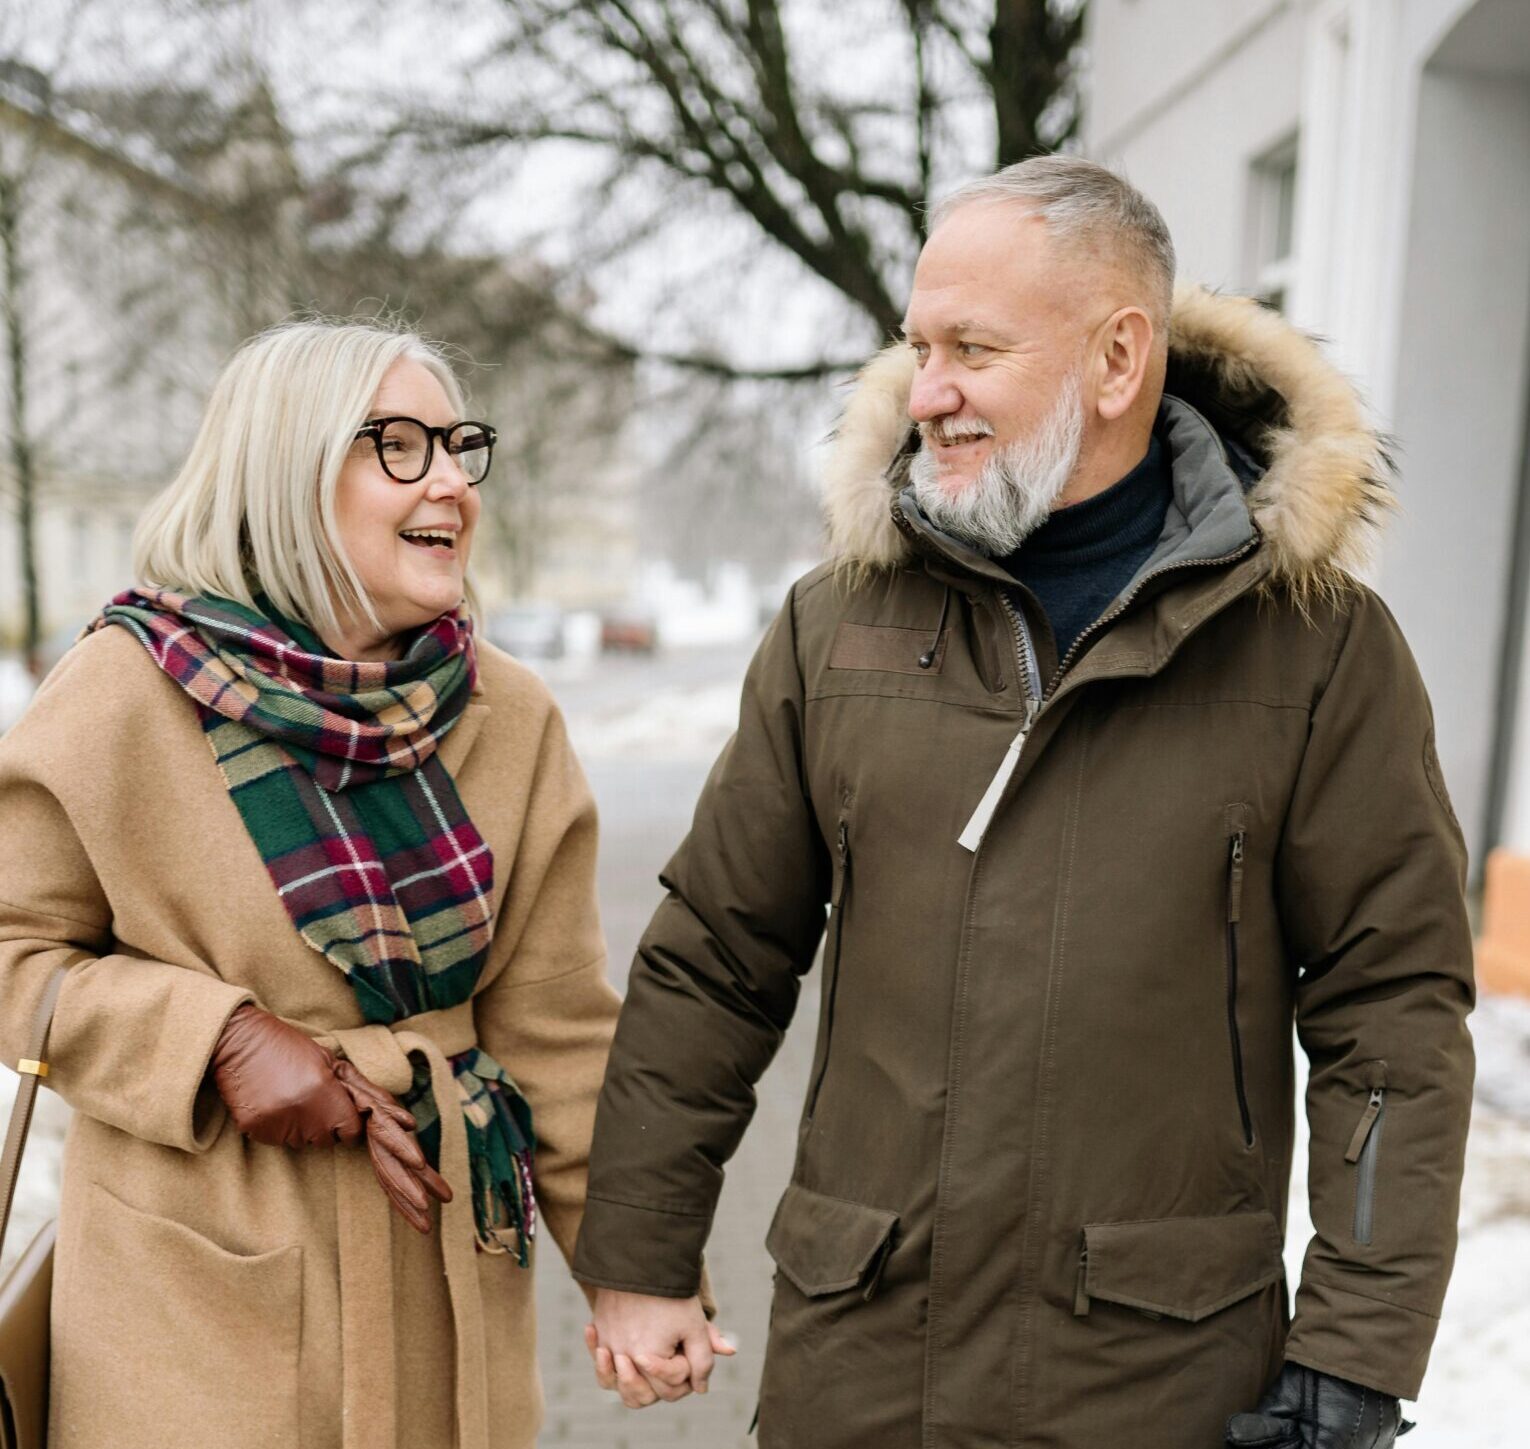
(427, 538)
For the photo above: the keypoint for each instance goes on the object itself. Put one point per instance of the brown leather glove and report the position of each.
(279, 1084)
(397, 1158)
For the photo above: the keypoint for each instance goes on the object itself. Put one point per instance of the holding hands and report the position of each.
(648, 1348)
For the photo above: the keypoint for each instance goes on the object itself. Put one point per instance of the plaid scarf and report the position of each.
(333, 768)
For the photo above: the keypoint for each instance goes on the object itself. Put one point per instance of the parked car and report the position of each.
(528, 631)
(629, 631)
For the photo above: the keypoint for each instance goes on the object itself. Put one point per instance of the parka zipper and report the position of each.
(1126, 603)
(1234, 917)
(1363, 1147)
(837, 905)
(1036, 696)
(1030, 689)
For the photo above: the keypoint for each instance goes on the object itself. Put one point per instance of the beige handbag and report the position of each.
(27, 1290)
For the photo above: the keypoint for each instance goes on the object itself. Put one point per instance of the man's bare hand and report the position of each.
(648, 1348)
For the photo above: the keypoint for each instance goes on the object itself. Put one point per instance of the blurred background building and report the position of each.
(146, 228)
(1364, 165)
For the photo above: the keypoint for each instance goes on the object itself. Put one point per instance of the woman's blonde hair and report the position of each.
(253, 507)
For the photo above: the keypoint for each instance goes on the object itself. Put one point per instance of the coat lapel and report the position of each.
(453, 750)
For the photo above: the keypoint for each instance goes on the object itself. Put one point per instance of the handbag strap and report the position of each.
(32, 1069)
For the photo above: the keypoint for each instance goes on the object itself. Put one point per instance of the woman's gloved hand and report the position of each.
(1305, 1409)
(397, 1159)
(284, 1089)
(279, 1084)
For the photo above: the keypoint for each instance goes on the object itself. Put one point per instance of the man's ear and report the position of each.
(1121, 361)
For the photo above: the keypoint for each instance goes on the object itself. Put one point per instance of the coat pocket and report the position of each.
(826, 1244)
(164, 1337)
(1236, 818)
(1185, 1268)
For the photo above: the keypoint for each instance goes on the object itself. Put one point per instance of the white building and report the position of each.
(118, 330)
(1365, 165)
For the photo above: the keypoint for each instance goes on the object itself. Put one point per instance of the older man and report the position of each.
(1107, 769)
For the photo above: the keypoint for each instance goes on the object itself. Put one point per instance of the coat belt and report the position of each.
(367, 1325)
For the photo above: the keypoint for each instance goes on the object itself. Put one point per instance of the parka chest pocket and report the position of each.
(825, 1245)
(888, 649)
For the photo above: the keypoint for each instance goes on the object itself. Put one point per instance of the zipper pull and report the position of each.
(1081, 1293)
(843, 842)
(977, 827)
(1235, 880)
(1367, 1121)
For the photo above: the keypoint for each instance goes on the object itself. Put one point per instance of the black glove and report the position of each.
(1306, 1409)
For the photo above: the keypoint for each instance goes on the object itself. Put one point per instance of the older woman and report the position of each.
(320, 866)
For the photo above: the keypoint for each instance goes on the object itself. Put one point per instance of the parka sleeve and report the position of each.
(131, 1037)
(712, 990)
(1371, 875)
(548, 1013)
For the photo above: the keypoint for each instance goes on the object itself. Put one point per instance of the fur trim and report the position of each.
(1259, 380)
(870, 433)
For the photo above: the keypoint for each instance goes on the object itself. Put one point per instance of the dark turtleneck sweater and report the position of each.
(1084, 555)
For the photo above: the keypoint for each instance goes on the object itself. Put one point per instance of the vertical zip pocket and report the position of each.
(1364, 1147)
(831, 956)
(1237, 842)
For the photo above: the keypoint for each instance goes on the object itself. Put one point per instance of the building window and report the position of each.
(1272, 225)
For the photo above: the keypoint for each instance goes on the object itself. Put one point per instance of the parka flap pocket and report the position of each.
(825, 1244)
(1185, 1268)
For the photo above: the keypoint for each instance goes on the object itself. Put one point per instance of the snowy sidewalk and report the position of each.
(1474, 1395)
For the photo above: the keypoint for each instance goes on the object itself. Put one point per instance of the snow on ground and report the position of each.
(1475, 1394)
(680, 724)
(41, 1168)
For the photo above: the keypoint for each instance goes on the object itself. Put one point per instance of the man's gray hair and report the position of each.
(1084, 203)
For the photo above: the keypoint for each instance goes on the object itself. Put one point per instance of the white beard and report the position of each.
(1016, 489)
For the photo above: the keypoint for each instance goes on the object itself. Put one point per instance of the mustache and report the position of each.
(946, 431)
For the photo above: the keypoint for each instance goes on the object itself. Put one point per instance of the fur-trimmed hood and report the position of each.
(1261, 383)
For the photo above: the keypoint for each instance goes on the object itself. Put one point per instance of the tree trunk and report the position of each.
(23, 463)
(1031, 49)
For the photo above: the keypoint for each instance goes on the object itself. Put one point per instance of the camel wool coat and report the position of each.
(209, 1290)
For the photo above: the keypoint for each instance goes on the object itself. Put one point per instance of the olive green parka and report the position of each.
(1040, 1189)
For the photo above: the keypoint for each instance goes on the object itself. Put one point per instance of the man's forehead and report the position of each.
(929, 318)
(990, 288)
(986, 265)
(978, 305)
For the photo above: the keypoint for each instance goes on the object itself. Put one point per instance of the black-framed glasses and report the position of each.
(406, 447)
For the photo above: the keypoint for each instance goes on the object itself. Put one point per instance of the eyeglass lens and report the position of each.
(405, 449)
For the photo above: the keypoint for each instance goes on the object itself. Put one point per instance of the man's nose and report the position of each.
(934, 393)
